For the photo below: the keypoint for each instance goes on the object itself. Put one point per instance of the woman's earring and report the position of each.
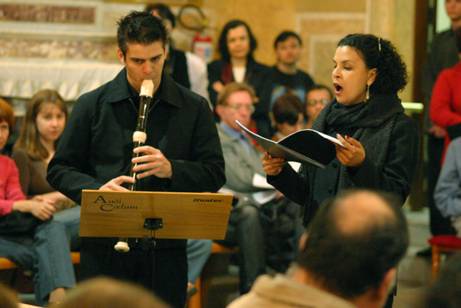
(367, 97)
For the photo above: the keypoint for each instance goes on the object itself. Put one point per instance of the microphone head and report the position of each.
(147, 88)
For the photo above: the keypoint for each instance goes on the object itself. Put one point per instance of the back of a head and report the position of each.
(109, 293)
(446, 290)
(287, 109)
(163, 11)
(140, 28)
(353, 241)
(8, 298)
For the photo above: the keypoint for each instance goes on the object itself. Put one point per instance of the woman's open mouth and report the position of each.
(338, 88)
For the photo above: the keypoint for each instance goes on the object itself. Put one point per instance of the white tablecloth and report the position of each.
(23, 77)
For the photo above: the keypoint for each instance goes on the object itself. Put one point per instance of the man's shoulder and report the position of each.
(448, 33)
(280, 291)
(305, 76)
(443, 39)
(216, 64)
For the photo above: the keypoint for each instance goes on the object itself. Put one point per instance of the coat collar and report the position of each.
(118, 90)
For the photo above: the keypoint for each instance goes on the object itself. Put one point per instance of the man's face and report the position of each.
(453, 8)
(316, 101)
(239, 106)
(288, 51)
(143, 62)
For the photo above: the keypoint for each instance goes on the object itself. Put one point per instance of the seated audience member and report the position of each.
(186, 68)
(446, 290)
(447, 194)
(109, 293)
(288, 116)
(44, 123)
(198, 252)
(345, 259)
(284, 77)
(316, 99)
(253, 219)
(236, 46)
(28, 235)
(445, 107)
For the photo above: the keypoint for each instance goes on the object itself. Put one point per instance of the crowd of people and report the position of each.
(297, 220)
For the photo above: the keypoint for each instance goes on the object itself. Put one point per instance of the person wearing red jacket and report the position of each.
(446, 99)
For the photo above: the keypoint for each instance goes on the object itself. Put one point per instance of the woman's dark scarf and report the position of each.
(372, 113)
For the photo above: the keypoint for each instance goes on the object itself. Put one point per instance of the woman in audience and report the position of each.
(236, 46)
(316, 99)
(380, 143)
(28, 235)
(44, 123)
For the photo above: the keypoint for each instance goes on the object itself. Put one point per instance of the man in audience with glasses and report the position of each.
(316, 99)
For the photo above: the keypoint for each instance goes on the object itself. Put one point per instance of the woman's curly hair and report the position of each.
(380, 54)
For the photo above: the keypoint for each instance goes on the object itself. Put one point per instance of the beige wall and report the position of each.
(320, 23)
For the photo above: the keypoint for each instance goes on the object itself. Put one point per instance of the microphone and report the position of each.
(139, 138)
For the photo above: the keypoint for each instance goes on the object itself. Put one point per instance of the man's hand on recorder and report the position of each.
(116, 183)
(151, 162)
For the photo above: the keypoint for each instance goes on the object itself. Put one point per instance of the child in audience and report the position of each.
(44, 123)
(28, 235)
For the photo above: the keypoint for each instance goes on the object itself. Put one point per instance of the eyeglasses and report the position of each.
(313, 102)
(238, 107)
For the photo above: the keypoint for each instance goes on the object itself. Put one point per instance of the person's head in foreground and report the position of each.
(353, 246)
(109, 293)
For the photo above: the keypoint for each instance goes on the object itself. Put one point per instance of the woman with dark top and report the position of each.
(29, 236)
(380, 142)
(236, 46)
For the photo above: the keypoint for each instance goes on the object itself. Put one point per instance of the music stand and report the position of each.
(139, 214)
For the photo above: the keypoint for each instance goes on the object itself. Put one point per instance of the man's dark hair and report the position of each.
(349, 264)
(222, 42)
(319, 86)
(380, 54)
(287, 109)
(284, 35)
(139, 28)
(163, 10)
